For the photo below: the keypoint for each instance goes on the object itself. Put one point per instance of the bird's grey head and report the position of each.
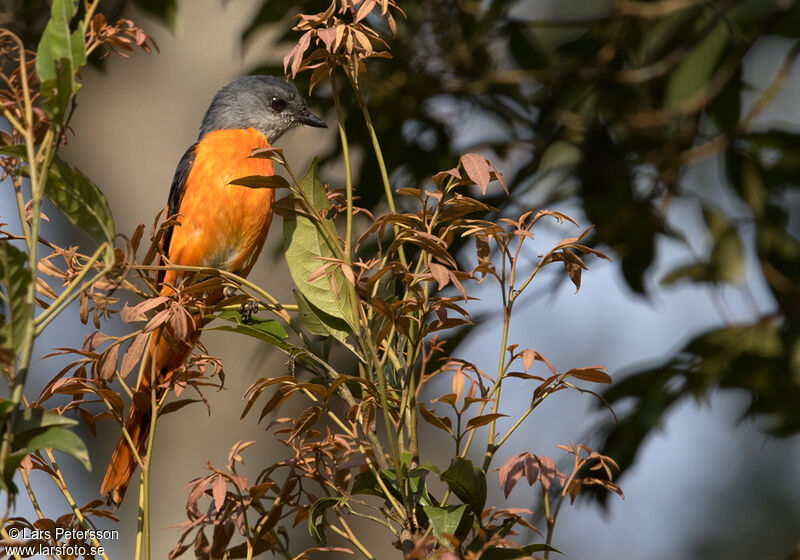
(265, 103)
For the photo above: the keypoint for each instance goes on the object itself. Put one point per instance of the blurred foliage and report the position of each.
(610, 104)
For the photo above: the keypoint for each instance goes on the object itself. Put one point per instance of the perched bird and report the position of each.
(219, 225)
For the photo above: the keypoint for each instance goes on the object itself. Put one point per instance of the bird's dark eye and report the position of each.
(277, 104)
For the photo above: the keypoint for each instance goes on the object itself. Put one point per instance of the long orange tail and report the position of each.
(123, 461)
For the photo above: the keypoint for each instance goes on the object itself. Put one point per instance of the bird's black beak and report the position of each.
(311, 119)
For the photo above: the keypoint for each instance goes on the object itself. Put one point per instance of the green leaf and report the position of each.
(81, 201)
(495, 553)
(31, 419)
(445, 519)
(468, 482)
(266, 330)
(697, 272)
(727, 253)
(695, 71)
(317, 522)
(59, 56)
(15, 279)
(307, 242)
(366, 483)
(318, 322)
(53, 437)
(76, 196)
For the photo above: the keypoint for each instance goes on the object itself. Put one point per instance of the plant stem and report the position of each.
(490, 447)
(29, 334)
(376, 146)
(58, 478)
(350, 536)
(140, 518)
(347, 170)
(145, 492)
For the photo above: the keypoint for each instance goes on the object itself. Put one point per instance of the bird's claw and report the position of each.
(248, 309)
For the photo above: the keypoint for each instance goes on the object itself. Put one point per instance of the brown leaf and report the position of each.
(482, 248)
(441, 422)
(83, 298)
(510, 472)
(132, 355)
(108, 363)
(347, 271)
(46, 267)
(131, 314)
(531, 469)
(44, 288)
(548, 472)
(270, 152)
(262, 182)
(160, 318)
(594, 374)
(477, 169)
(529, 356)
(318, 75)
(94, 340)
(235, 455)
(443, 176)
(219, 489)
(483, 420)
(441, 274)
(174, 406)
(366, 7)
(457, 383)
(328, 36)
(296, 54)
(197, 492)
(306, 419)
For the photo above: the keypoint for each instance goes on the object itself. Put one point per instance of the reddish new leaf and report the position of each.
(594, 374)
(219, 490)
(108, 363)
(483, 420)
(477, 169)
(132, 355)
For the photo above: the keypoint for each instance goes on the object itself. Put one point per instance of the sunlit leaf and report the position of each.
(81, 201)
(267, 330)
(445, 520)
(60, 54)
(305, 246)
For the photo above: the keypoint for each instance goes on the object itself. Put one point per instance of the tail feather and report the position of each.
(123, 460)
(169, 355)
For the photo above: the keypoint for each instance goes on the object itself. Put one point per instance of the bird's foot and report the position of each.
(248, 309)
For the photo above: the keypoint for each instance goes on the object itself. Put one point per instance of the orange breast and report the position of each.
(223, 226)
